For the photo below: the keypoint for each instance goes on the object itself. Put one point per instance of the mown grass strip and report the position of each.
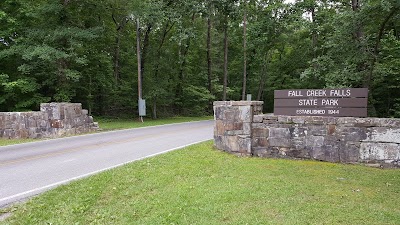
(4, 141)
(199, 185)
(118, 124)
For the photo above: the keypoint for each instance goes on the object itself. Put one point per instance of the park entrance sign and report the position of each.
(321, 102)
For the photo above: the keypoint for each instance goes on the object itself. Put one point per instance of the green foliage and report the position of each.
(21, 94)
(85, 51)
(387, 82)
(196, 100)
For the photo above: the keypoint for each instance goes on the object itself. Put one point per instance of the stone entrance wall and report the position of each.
(241, 128)
(53, 120)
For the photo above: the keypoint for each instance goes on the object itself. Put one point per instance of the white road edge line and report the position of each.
(47, 187)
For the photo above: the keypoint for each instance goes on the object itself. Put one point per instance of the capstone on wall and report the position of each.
(240, 128)
(53, 120)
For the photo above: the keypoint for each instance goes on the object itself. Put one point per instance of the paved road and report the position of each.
(32, 168)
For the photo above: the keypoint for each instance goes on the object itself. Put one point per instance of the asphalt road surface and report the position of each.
(29, 169)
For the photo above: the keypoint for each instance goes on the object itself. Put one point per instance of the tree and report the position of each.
(50, 49)
(244, 51)
(83, 51)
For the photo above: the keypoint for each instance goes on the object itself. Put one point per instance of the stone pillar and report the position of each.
(67, 118)
(233, 124)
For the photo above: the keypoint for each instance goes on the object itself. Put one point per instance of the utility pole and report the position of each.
(138, 59)
(141, 102)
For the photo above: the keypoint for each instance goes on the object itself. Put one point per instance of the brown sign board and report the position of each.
(335, 112)
(323, 93)
(322, 102)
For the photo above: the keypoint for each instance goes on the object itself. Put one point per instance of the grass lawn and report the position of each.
(199, 185)
(4, 142)
(118, 124)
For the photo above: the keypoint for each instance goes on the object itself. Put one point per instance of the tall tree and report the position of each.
(209, 61)
(227, 10)
(244, 51)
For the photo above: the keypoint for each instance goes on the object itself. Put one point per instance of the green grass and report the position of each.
(4, 142)
(199, 185)
(118, 124)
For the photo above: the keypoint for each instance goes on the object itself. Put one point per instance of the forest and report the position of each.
(194, 52)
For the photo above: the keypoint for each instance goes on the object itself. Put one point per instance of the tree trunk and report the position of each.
(90, 96)
(355, 5)
(116, 57)
(209, 72)
(183, 51)
(154, 114)
(225, 58)
(262, 80)
(119, 28)
(314, 33)
(372, 108)
(362, 66)
(138, 59)
(62, 63)
(378, 41)
(146, 43)
(166, 30)
(244, 54)
(358, 36)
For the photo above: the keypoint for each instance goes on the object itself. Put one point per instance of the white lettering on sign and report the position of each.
(316, 93)
(295, 94)
(330, 102)
(310, 111)
(308, 102)
(333, 111)
(340, 93)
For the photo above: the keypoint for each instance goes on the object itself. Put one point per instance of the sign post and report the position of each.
(322, 102)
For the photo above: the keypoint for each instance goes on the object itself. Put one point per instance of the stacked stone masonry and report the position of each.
(53, 120)
(240, 128)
